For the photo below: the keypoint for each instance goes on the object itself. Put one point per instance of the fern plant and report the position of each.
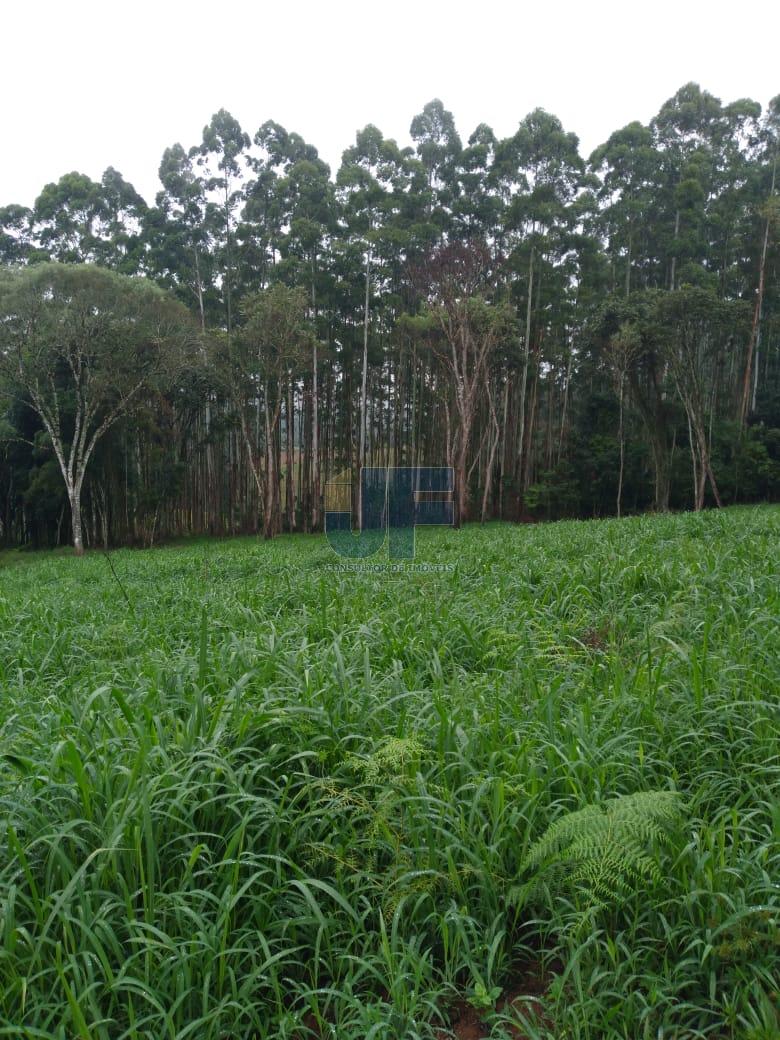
(391, 761)
(604, 851)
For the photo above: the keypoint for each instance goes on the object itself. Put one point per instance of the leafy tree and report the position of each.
(80, 345)
(692, 326)
(438, 148)
(272, 346)
(627, 164)
(221, 154)
(466, 326)
(78, 220)
(177, 234)
(16, 241)
(67, 215)
(770, 212)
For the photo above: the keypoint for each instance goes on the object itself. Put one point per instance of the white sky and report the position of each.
(85, 85)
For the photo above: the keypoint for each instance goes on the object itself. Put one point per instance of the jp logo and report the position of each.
(394, 500)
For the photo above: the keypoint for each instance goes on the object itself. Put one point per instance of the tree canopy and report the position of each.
(574, 336)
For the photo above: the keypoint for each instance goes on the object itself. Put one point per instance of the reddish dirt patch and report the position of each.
(527, 981)
(466, 1024)
(596, 638)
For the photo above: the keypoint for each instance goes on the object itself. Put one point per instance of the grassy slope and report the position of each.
(274, 796)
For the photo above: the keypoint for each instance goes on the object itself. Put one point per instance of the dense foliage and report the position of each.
(574, 337)
(248, 795)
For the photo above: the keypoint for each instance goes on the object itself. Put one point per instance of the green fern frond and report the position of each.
(606, 851)
(390, 760)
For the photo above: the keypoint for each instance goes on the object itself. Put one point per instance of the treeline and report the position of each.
(576, 337)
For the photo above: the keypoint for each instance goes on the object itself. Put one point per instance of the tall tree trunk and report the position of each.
(661, 472)
(528, 468)
(706, 473)
(565, 405)
(504, 446)
(315, 418)
(747, 403)
(491, 452)
(524, 371)
(229, 263)
(74, 497)
(270, 459)
(363, 385)
(698, 489)
(461, 477)
(315, 444)
(674, 255)
(622, 440)
(289, 483)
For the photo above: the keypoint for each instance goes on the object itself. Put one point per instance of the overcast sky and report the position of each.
(88, 85)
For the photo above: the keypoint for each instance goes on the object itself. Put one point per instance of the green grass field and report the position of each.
(255, 797)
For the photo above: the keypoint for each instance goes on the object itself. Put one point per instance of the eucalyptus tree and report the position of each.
(312, 209)
(367, 189)
(624, 348)
(78, 220)
(693, 326)
(644, 375)
(181, 248)
(179, 243)
(769, 210)
(269, 350)
(67, 216)
(730, 203)
(686, 132)
(464, 324)
(290, 209)
(80, 345)
(541, 170)
(627, 165)
(262, 218)
(17, 244)
(123, 216)
(478, 208)
(222, 157)
(438, 149)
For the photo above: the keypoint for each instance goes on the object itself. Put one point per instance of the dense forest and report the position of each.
(576, 337)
